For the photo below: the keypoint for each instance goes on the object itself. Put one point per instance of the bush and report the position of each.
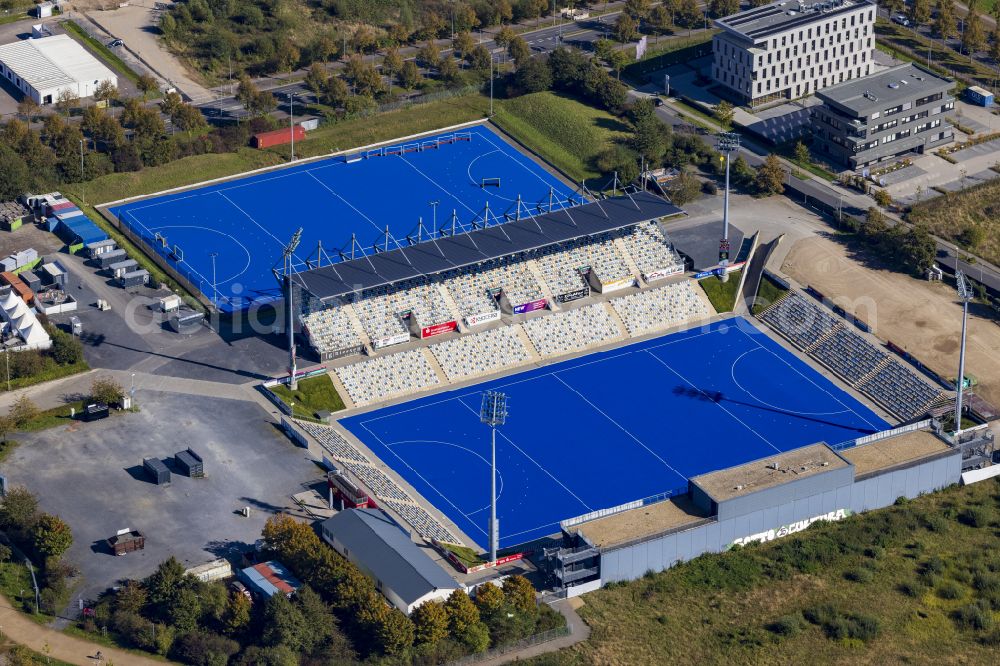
(787, 625)
(949, 590)
(709, 187)
(912, 588)
(66, 350)
(839, 625)
(975, 516)
(975, 616)
(204, 649)
(860, 575)
(106, 390)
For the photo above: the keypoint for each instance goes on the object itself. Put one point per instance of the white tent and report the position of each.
(22, 319)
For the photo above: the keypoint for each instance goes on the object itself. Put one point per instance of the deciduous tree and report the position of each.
(51, 536)
(771, 176)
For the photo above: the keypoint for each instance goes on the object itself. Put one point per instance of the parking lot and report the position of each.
(91, 475)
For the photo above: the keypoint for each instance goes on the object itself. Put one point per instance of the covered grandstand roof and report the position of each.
(467, 249)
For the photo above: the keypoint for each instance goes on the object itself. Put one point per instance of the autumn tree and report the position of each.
(771, 176)
(430, 623)
(51, 536)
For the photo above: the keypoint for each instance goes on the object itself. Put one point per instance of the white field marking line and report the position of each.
(612, 354)
(732, 374)
(468, 172)
(330, 190)
(457, 446)
(429, 484)
(517, 161)
(717, 404)
(221, 233)
(522, 452)
(132, 209)
(437, 185)
(620, 427)
(259, 225)
(809, 379)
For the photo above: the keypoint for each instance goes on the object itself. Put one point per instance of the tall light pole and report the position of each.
(289, 251)
(491, 84)
(494, 414)
(434, 224)
(291, 121)
(728, 143)
(83, 191)
(966, 295)
(215, 288)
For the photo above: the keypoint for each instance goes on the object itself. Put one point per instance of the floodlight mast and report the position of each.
(965, 294)
(493, 413)
(287, 254)
(729, 142)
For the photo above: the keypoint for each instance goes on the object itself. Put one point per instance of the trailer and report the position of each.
(157, 471)
(127, 541)
(120, 268)
(191, 463)
(170, 303)
(113, 257)
(134, 279)
(277, 137)
(979, 96)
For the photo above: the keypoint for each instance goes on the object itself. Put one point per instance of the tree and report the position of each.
(533, 76)
(626, 28)
(237, 615)
(650, 138)
(106, 91)
(15, 178)
(394, 633)
(974, 36)
(448, 69)
(874, 225)
(520, 594)
(106, 390)
(188, 118)
(995, 44)
(19, 509)
(724, 113)
(463, 44)
(689, 14)
(146, 84)
(392, 63)
(464, 623)
(66, 101)
(882, 198)
(661, 19)
(430, 623)
(51, 536)
(429, 55)
(920, 12)
(66, 350)
(163, 583)
(519, 51)
(944, 25)
(504, 36)
(721, 8)
(621, 160)
(771, 176)
(685, 188)
(410, 76)
(489, 600)
(184, 609)
(201, 648)
(802, 153)
(316, 79)
(335, 92)
(27, 108)
(246, 92)
(131, 597)
(503, 12)
(23, 411)
(637, 9)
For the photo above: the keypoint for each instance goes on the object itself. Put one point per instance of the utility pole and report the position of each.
(494, 414)
(289, 303)
(966, 295)
(215, 289)
(728, 143)
(434, 207)
(491, 84)
(291, 120)
(83, 191)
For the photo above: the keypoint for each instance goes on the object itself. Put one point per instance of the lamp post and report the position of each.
(289, 303)
(965, 295)
(215, 289)
(291, 121)
(728, 143)
(434, 224)
(83, 191)
(494, 414)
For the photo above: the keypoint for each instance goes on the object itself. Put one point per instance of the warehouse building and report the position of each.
(898, 111)
(764, 500)
(43, 68)
(788, 49)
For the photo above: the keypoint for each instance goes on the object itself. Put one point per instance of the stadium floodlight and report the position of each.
(287, 254)
(494, 414)
(729, 142)
(965, 294)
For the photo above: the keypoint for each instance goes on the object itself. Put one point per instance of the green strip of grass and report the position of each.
(15, 584)
(768, 292)
(466, 555)
(52, 371)
(107, 54)
(13, 18)
(721, 294)
(316, 394)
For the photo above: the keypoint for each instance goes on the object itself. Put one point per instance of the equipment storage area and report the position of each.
(157, 471)
(127, 541)
(191, 463)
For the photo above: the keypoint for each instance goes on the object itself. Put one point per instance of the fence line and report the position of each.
(885, 434)
(537, 639)
(600, 513)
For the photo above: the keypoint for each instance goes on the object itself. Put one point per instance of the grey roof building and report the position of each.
(894, 112)
(382, 550)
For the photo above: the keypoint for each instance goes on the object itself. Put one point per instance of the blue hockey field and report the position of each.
(245, 223)
(601, 430)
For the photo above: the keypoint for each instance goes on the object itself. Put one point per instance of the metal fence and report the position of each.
(537, 639)
(885, 434)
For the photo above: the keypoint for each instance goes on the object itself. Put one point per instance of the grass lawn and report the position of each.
(13, 18)
(466, 555)
(15, 579)
(918, 582)
(721, 294)
(106, 54)
(52, 370)
(566, 133)
(901, 41)
(769, 292)
(316, 394)
(970, 218)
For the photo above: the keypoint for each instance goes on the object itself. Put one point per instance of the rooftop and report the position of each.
(768, 472)
(885, 89)
(888, 453)
(645, 521)
(272, 577)
(759, 22)
(52, 62)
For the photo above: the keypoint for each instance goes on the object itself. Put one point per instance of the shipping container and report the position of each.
(979, 96)
(134, 279)
(53, 273)
(30, 279)
(8, 264)
(58, 205)
(18, 286)
(113, 257)
(25, 257)
(170, 303)
(277, 137)
(186, 320)
(190, 463)
(101, 247)
(122, 267)
(156, 470)
(127, 541)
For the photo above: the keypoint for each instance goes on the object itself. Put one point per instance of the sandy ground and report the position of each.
(922, 317)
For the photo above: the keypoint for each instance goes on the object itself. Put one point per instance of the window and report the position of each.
(876, 115)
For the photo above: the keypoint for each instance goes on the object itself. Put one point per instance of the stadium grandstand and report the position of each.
(463, 281)
(858, 361)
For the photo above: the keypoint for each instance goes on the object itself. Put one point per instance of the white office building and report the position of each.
(42, 68)
(791, 49)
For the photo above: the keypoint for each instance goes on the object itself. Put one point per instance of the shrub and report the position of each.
(107, 391)
(913, 588)
(949, 590)
(975, 516)
(709, 187)
(860, 575)
(975, 616)
(787, 625)
(934, 565)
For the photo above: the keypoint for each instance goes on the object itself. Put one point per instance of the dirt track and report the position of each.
(923, 318)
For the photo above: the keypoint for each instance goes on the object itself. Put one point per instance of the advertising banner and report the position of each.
(663, 272)
(391, 340)
(574, 295)
(485, 317)
(792, 528)
(342, 352)
(530, 307)
(438, 329)
(617, 285)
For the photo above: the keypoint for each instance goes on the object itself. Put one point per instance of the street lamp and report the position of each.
(291, 120)
(729, 142)
(287, 254)
(494, 414)
(215, 289)
(965, 295)
(83, 191)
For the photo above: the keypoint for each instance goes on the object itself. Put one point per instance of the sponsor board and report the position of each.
(438, 329)
(500, 560)
(485, 317)
(530, 307)
(617, 285)
(574, 295)
(342, 352)
(791, 528)
(391, 340)
(720, 270)
(663, 272)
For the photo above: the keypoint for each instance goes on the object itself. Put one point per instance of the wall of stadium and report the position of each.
(783, 517)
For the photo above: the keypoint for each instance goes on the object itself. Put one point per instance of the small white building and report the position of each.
(42, 68)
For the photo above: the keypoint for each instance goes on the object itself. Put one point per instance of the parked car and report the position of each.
(901, 20)
(116, 43)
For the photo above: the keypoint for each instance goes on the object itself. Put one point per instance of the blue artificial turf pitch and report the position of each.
(248, 221)
(613, 427)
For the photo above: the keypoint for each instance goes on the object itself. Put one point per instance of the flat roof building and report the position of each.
(885, 115)
(42, 68)
(791, 49)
